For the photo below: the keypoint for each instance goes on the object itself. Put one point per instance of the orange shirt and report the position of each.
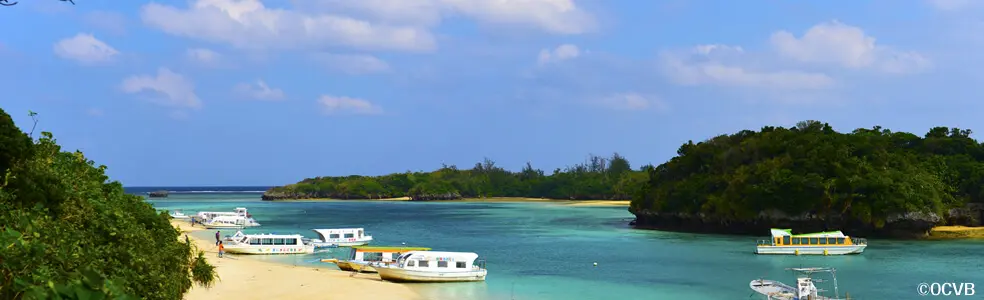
(221, 247)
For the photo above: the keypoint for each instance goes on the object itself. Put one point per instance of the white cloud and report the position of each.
(172, 89)
(203, 55)
(338, 105)
(712, 64)
(352, 63)
(259, 91)
(551, 16)
(561, 53)
(85, 48)
(632, 101)
(846, 46)
(249, 24)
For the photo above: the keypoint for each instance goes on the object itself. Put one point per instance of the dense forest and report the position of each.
(871, 181)
(67, 232)
(601, 178)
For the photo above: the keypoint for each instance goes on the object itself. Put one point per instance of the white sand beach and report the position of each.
(244, 278)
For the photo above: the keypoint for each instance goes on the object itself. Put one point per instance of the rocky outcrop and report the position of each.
(274, 195)
(907, 225)
(436, 197)
(158, 194)
(970, 215)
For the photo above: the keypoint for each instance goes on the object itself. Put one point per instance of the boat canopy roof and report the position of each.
(789, 232)
(388, 248)
(337, 230)
(441, 255)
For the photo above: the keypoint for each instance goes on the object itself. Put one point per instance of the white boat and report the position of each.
(342, 237)
(821, 243)
(434, 266)
(204, 216)
(177, 214)
(220, 222)
(804, 289)
(267, 244)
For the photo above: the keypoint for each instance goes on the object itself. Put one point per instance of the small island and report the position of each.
(870, 182)
(158, 194)
(598, 178)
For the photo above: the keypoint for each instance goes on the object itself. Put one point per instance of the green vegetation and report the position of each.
(866, 178)
(599, 178)
(66, 232)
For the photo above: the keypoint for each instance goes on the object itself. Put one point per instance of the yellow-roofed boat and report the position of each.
(821, 243)
(363, 258)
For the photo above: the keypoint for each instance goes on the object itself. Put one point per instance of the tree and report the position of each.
(67, 231)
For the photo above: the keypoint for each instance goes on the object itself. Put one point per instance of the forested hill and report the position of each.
(597, 178)
(809, 177)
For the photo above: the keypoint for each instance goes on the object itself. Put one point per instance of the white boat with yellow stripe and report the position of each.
(821, 243)
(434, 266)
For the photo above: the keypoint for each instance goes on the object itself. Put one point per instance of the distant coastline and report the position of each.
(143, 190)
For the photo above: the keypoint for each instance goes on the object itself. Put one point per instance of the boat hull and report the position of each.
(269, 250)
(404, 275)
(810, 250)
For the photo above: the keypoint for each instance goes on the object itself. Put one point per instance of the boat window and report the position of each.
(360, 233)
(796, 241)
(333, 236)
(813, 241)
(442, 264)
(372, 256)
(349, 235)
(785, 240)
(823, 241)
(410, 263)
(460, 264)
(290, 241)
(840, 241)
(424, 263)
(395, 255)
(254, 241)
(278, 241)
(267, 241)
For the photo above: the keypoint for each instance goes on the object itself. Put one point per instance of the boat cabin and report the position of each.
(343, 236)
(440, 261)
(381, 253)
(268, 244)
(784, 237)
(208, 215)
(268, 239)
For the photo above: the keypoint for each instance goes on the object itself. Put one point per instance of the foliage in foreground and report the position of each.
(598, 178)
(66, 232)
(867, 175)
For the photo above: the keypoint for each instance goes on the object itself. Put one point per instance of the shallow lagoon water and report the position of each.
(546, 251)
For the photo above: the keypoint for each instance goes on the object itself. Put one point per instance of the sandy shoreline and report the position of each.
(244, 278)
(956, 232)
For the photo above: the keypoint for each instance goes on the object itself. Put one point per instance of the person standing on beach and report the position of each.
(221, 249)
(217, 240)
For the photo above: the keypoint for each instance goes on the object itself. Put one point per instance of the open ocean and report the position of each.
(546, 251)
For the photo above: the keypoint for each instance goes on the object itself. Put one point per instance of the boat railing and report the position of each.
(479, 264)
(859, 241)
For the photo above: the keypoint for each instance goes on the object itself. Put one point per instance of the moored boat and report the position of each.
(267, 244)
(220, 222)
(365, 258)
(821, 243)
(177, 214)
(342, 237)
(434, 266)
(804, 289)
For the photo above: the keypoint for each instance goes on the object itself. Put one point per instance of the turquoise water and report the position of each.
(546, 251)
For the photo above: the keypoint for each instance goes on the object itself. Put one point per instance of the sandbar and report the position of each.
(956, 232)
(244, 278)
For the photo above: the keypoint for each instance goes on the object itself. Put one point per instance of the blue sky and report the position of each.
(244, 92)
